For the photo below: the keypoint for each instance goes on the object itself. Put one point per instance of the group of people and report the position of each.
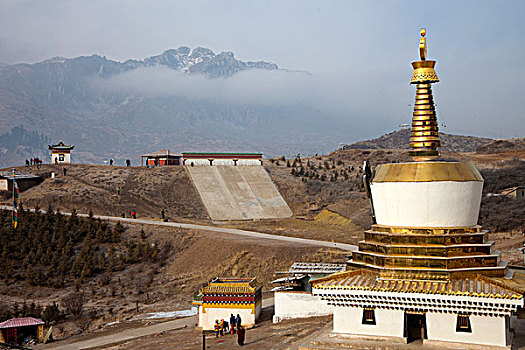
(234, 326)
(34, 161)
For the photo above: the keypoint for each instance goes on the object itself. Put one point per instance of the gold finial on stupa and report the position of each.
(423, 45)
(424, 138)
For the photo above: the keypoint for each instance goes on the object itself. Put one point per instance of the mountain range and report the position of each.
(57, 99)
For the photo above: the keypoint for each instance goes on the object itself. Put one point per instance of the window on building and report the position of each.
(369, 316)
(61, 157)
(463, 323)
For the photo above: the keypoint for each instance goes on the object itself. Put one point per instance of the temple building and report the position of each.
(164, 157)
(60, 153)
(16, 330)
(426, 270)
(225, 296)
(160, 158)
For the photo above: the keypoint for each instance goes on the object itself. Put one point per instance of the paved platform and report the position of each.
(238, 193)
(324, 339)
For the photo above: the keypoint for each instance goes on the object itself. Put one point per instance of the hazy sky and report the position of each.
(363, 48)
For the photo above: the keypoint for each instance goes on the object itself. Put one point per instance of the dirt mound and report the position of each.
(500, 146)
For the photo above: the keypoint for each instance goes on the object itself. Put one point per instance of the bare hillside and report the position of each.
(399, 139)
(94, 188)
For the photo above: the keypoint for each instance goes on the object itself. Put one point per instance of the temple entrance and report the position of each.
(415, 326)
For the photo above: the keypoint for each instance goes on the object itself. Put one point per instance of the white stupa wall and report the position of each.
(486, 330)
(389, 323)
(427, 204)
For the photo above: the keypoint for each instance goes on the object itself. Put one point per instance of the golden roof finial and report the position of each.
(423, 45)
(424, 137)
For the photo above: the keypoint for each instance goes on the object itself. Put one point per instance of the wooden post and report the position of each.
(40, 333)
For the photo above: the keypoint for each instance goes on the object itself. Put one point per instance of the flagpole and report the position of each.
(14, 204)
(15, 200)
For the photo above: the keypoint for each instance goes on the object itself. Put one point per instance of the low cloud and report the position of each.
(333, 96)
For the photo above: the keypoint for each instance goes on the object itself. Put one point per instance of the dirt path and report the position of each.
(125, 335)
(133, 333)
(230, 231)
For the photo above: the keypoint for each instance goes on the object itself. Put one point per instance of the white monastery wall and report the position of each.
(427, 204)
(297, 305)
(3, 185)
(485, 330)
(197, 162)
(222, 162)
(207, 319)
(67, 158)
(248, 162)
(389, 323)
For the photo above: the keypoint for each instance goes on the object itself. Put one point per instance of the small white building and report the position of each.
(61, 153)
(293, 296)
(223, 297)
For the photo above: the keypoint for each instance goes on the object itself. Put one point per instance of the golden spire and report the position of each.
(424, 138)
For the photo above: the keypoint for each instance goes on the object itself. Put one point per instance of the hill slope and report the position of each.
(400, 140)
(94, 188)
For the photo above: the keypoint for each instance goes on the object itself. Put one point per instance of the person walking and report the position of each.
(232, 324)
(65, 171)
(221, 324)
(162, 214)
(238, 321)
(27, 163)
(240, 335)
(134, 214)
(118, 190)
(111, 162)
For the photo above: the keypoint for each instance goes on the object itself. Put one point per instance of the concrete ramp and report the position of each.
(238, 193)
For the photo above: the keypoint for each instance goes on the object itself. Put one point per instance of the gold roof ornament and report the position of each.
(424, 138)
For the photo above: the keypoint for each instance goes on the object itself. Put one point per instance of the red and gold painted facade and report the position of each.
(231, 293)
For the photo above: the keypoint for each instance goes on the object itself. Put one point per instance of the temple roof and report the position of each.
(475, 285)
(232, 286)
(21, 322)
(61, 146)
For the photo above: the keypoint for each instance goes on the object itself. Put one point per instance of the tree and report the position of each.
(73, 303)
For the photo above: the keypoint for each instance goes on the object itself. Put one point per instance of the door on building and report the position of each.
(415, 326)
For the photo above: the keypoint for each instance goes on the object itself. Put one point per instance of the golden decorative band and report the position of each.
(425, 112)
(428, 132)
(426, 172)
